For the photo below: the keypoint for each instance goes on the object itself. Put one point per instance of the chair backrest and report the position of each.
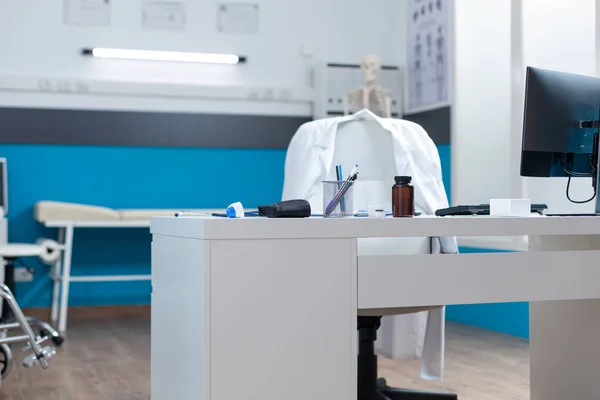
(370, 146)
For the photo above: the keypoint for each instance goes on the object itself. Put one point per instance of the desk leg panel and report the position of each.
(565, 350)
(283, 319)
(564, 336)
(180, 351)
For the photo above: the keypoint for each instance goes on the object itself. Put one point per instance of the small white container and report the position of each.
(376, 212)
(510, 207)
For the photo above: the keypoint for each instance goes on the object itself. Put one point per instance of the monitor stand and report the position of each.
(596, 162)
(596, 178)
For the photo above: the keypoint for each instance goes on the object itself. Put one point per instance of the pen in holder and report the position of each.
(338, 198)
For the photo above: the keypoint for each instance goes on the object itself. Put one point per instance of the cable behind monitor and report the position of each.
(566, 161)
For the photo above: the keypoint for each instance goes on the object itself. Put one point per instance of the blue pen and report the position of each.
(342, 191)
(343, 198)
(338, 175)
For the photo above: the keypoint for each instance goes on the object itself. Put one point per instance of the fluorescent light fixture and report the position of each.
(152, 55)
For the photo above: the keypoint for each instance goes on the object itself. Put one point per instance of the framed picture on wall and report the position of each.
(428, 58)
(91, 13)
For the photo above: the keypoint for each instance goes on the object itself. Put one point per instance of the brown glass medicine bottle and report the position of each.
(403, 195)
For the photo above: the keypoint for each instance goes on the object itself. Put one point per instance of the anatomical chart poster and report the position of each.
(427, 65)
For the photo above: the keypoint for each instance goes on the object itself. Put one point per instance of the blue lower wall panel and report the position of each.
(509, 318)
(125, 177)
(445, 160)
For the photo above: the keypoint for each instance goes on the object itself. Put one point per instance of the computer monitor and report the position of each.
(560, 126)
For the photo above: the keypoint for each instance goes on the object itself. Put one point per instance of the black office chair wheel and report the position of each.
(381, 383)
(57, 340)
(6, 360)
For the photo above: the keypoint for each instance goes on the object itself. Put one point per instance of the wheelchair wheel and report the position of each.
(6, 360)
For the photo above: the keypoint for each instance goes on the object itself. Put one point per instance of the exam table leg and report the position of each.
(56, 277)
(66, 279)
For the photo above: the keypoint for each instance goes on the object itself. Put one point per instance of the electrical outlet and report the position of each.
(45, 84)
(285, 94)
(269, 94)
(81, 86)
(23, 274)
(64, 86)
(307, 50)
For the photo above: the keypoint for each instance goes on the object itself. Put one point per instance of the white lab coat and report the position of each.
(309, 161)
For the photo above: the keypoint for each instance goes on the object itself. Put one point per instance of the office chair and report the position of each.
(369, 145)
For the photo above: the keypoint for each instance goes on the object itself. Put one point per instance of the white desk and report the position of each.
(266, 309)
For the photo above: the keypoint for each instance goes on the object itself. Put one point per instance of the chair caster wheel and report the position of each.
(381, 383)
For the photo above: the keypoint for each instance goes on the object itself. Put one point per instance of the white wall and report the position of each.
(35, 42)
(560, 35)
(481, 104)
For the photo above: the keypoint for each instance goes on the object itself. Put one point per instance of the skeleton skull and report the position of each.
(371, 65)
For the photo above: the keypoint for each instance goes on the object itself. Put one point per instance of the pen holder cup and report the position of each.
(338, 197)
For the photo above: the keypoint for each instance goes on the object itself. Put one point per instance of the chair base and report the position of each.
(384, 392)
(370, 387)
(405, 394)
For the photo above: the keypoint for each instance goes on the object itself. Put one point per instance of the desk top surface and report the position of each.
(313, 228)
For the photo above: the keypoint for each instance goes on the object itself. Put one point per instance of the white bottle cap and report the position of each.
(235, 210)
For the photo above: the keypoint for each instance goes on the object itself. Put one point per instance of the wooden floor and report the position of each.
(109, 358)
(479, 365)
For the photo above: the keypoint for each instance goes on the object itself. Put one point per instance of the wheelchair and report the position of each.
(32, 332)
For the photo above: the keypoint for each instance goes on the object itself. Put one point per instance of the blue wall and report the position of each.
(444, 150)
(122, 177)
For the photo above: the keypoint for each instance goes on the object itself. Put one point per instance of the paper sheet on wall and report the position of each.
(427, 65)
(238, 18)
(163, 15)
(87, 12)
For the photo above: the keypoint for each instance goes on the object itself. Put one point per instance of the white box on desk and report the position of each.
(510, 207)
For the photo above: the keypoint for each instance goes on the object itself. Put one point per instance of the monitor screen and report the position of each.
(555, 105)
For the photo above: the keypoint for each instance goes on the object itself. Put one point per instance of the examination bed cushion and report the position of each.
(62, 211)
(131, 214)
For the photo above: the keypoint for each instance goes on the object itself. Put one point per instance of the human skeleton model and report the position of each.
(372, 97)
